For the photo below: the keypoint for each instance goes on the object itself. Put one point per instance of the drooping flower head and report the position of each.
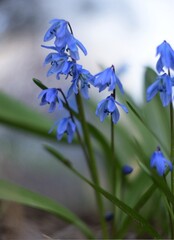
(81, 81)
(58, 27)
(50, 96)
(166, 59)
(64, 39)
(109, 106)
(59, 64)
(109, 216)
(66, 126)
(126, 169)
(159, 162)
(107, 78)
(163, 85)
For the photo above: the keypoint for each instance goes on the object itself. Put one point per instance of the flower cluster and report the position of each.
(63, 60)
(164, 82)
(108, 79)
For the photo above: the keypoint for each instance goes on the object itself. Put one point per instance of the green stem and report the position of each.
(92, 164)
(172, 142)
(172, 158)
(114, 169)
(113, 155)
(72, 117)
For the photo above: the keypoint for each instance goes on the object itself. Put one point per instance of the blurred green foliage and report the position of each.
(138, 134)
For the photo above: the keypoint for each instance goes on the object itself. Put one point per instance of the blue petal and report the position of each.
(70, 91)
(111, 104)
(159, 65)
(153, 160)
(52, 107)
(152, 90)
(80, 45)
(160, 162)
(160, 166)
(84, 90)
(115, 116)
(62, 126)
(122, 106)
(165, 98)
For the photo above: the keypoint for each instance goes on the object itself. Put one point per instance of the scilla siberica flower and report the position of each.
(64, 40)
(81, 80)
(107, 78)
(160, 162)
(126, 169)
(59, 64)
(166, 59)
(50, 96)
(163, 85)
(109, 106)
(65, 126)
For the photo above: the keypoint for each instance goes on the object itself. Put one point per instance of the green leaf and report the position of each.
(39, 83)
(12, 192)
(124, 207)
(141, 202)
(149, 78)
(15, 114)
(159, 182)
(149, 128)
(58, 155)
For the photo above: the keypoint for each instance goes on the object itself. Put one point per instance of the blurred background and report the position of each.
(119, 32)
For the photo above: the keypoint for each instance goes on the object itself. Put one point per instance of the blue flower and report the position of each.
(109, 216)
(64, 40)
(81, 81)
(50, 96)
(126, 169)
(107, 78)
(66, 126)
(59, 64)
(58, 28)
(109, 106)
(160, 162)
(166, 58)
(71, 44)
(163, 85)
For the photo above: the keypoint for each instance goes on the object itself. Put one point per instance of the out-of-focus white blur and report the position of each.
(113, 31)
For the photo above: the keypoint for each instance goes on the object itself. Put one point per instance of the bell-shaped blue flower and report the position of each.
(81, 81)
(109, 216)
(58, 28)
(159, 162)
(59, 64)
(107, 78)
(109, 106)
(126, 169)
(71, 44)
(66, 126)
(163, 85)
(64, 40)
(50, 96)
(166, 59)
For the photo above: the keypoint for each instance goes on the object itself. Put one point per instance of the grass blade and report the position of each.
(12, 192)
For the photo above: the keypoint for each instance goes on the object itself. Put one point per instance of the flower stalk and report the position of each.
(172, 159)
(92, 164)
(114, 169)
